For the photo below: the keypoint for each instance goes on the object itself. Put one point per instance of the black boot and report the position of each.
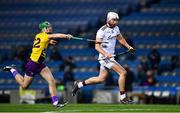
(8, 68)
(75, 88)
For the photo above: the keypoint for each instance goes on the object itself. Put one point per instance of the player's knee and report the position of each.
(51, 82)
(100, 80)
(123, 73)
(24, 86)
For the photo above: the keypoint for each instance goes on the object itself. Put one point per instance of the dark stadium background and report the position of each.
(152, 27)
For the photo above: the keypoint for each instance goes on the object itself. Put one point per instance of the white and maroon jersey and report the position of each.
(107, 34)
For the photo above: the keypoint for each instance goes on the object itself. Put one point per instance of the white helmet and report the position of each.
(112, 15)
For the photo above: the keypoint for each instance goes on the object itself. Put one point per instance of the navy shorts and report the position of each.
(33, 68)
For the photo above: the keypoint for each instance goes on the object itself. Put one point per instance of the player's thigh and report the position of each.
(46, 74)
(118, 68)
(103, 73)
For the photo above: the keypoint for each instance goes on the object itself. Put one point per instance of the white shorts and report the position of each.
(107, 63)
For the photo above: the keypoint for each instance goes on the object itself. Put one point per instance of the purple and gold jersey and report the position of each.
(40, 45)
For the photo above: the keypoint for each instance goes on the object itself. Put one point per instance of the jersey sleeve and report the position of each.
(118, 31)
(100, 34)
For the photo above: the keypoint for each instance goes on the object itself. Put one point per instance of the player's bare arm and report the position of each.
(100, 50)
(59, 35)
(123, 42)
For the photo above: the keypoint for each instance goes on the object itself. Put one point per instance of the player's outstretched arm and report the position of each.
(59, 35)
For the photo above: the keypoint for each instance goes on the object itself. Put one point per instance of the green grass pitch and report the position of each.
(88, 108)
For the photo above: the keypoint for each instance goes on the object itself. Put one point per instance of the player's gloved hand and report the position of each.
(69, 36)
(52, 42)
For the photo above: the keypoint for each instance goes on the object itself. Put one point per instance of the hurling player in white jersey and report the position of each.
(108, 33)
